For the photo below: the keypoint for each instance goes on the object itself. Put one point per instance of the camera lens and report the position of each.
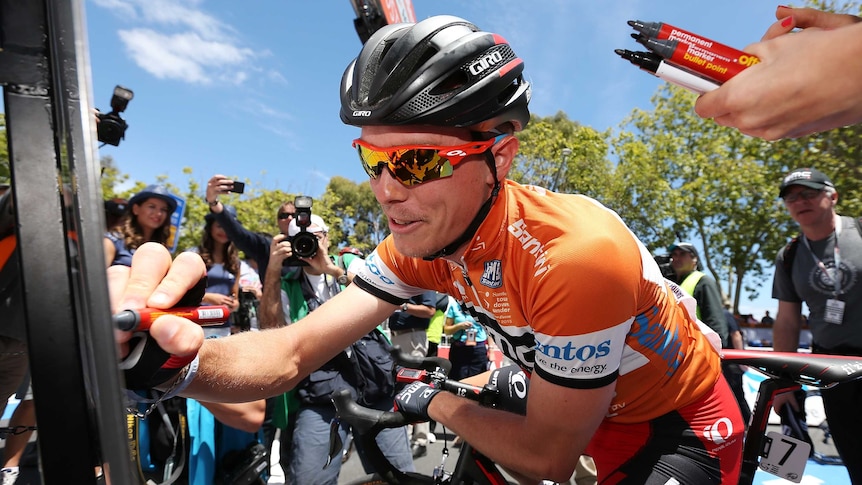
(305, 245)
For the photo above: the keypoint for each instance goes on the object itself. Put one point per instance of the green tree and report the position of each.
(564, 156)
(360, 218)
(702, 182)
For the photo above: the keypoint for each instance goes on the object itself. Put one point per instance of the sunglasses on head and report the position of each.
(416, 164)
(286, 215)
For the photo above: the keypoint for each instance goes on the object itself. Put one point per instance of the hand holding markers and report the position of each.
(685, 59)
(807, 82)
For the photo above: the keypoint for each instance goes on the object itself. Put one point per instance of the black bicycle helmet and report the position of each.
(442, 71)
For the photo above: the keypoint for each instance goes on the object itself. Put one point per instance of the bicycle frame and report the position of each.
(785, 372)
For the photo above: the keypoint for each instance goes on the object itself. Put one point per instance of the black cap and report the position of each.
(686, 246)
(807, 177)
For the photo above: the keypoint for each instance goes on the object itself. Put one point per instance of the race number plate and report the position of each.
(784, 456)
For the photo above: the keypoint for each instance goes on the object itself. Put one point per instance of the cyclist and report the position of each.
(621, 370)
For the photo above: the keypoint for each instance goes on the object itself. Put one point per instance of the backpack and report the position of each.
(367, 368)
(793, 245)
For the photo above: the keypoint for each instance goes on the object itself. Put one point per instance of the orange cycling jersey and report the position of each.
(567, 291)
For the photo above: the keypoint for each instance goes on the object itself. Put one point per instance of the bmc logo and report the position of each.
(362, 113)
(485, 62)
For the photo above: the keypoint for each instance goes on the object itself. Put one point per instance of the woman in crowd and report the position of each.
(148, 218)
(223, 270)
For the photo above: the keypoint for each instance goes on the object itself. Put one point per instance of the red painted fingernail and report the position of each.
(787, 21)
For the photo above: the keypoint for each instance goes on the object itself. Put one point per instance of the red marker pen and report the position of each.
(699, 59)
(141, 319)
(663, 31)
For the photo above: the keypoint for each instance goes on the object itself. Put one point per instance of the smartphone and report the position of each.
(238, 187)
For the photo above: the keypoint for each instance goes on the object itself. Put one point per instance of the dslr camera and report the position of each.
(304, 243)
(111, 126)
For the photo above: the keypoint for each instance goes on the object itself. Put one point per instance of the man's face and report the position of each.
(285, 214)
(808, 206)
(426, 217)
(682, 261)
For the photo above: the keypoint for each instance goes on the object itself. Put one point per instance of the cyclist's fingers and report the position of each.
(187, 270)
(150, 263)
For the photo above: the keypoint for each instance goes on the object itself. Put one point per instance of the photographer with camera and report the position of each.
(305, 414)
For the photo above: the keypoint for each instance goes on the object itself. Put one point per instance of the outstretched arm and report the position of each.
(806, 82)
(248, 365)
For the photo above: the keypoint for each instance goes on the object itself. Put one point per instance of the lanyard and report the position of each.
(835, 275)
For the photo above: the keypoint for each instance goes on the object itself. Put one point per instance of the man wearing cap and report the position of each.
(812, 270)
(686, 265)
(305, 433)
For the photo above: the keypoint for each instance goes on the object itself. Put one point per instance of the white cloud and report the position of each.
(176, 39)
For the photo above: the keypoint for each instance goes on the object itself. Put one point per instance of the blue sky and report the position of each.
(250, 89)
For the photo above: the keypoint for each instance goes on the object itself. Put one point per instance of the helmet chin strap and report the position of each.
(477, 220)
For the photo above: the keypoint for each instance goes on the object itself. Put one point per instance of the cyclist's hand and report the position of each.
(512, 385)
(414, 399)
(155, 281)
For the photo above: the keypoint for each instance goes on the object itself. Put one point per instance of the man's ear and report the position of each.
(504, 155)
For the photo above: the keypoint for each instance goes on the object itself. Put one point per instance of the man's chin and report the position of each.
(413, 248)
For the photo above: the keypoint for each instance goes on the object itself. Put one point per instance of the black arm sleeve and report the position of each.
(254, 245)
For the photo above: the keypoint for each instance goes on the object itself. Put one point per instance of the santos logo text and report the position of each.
(570, 352)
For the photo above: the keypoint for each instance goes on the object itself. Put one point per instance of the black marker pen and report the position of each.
(654, 64)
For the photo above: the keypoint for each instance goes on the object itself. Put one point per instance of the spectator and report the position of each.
(468, 349)
(688, 269)
(13, 336)
(254, 245)
(24, 419)
(148, 219)
(774, 99)
(810, 270)
(306, 431)
(409, 328)
(435, 325)
(223, 271)
(766, 320)
(115, 209)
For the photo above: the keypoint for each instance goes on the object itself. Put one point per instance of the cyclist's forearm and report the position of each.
(534, 448)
